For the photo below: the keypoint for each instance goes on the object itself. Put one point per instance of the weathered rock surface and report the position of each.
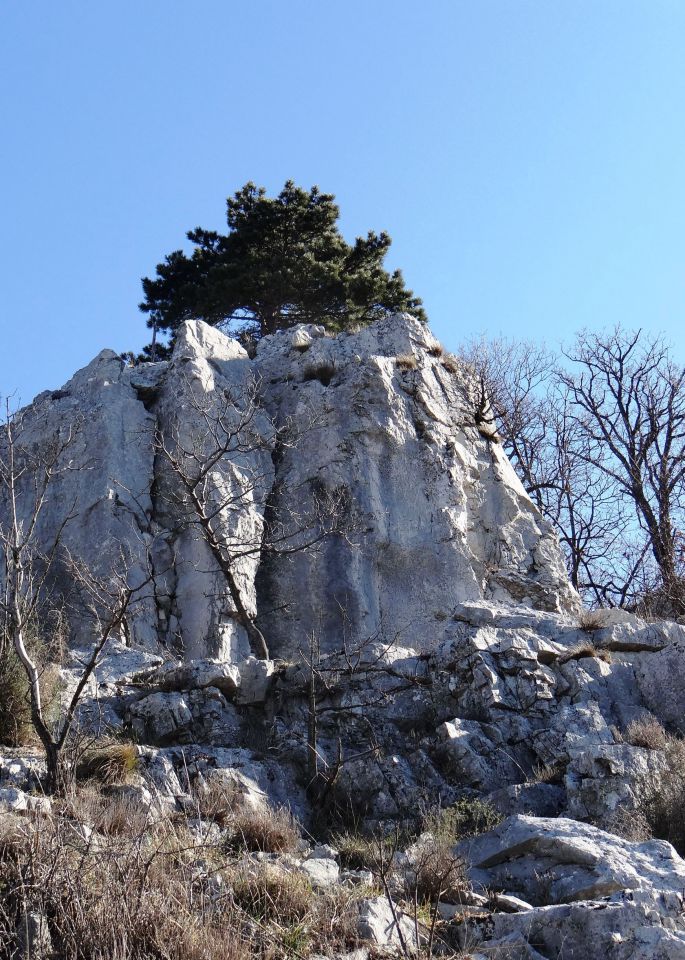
(440, 515)
(435, 650)
(560, 860)
(594, 895)
(383, 927)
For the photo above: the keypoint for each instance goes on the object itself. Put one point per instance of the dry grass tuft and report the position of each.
(358, 851)
(321, 370)
(663, 806)
(466, 818)
(406, 361)
(450, 363)
(109, 816)
(269, 892)
(547, 773)
(263, 830)
(590, 620)
(218, 801)
(437, 351)
(584, 649)
(108, 761)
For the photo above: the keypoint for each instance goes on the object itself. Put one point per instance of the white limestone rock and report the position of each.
(322, 872)
(562, 860)
(13, 800)
(377, 925)
(591, 930)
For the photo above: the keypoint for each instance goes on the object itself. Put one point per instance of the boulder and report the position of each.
(379, 926)
(322, 872)
(13, 800)
(562, 860)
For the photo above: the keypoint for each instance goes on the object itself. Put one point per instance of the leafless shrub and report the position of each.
(647, 732)
(438, 873)
(221, 469)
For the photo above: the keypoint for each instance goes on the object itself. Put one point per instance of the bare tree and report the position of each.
(511, 382)
(600, 449)
(27, 475)
(628, 403)
(222, 488)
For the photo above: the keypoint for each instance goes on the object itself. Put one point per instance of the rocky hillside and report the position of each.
(423, 646)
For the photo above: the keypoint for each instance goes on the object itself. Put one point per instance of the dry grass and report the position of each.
(437, 351)
(259, 829)
(155, 892)
(321, 370)
(406, 361)
(269, 892)
(263, 830)
(358, 851)
(582, 650)
(217, 801)
(590, 620)
(109, 816)
(547, 773)
(450, 363)
(663, 807)
(108, 761)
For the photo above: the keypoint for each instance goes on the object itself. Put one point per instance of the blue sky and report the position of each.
(526, 156)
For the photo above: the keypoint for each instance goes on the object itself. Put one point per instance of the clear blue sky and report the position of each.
(526, 156)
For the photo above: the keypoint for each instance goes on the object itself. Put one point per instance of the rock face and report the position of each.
(382, 419)
(427, 649)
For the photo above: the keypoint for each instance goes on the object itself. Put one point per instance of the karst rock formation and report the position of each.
(418, 616)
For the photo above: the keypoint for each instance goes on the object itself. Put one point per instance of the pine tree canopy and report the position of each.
(283, 261)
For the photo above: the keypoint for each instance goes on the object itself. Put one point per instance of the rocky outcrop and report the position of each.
(427, 649)
(380, 419)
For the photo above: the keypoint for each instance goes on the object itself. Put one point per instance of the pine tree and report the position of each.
(283, 261)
